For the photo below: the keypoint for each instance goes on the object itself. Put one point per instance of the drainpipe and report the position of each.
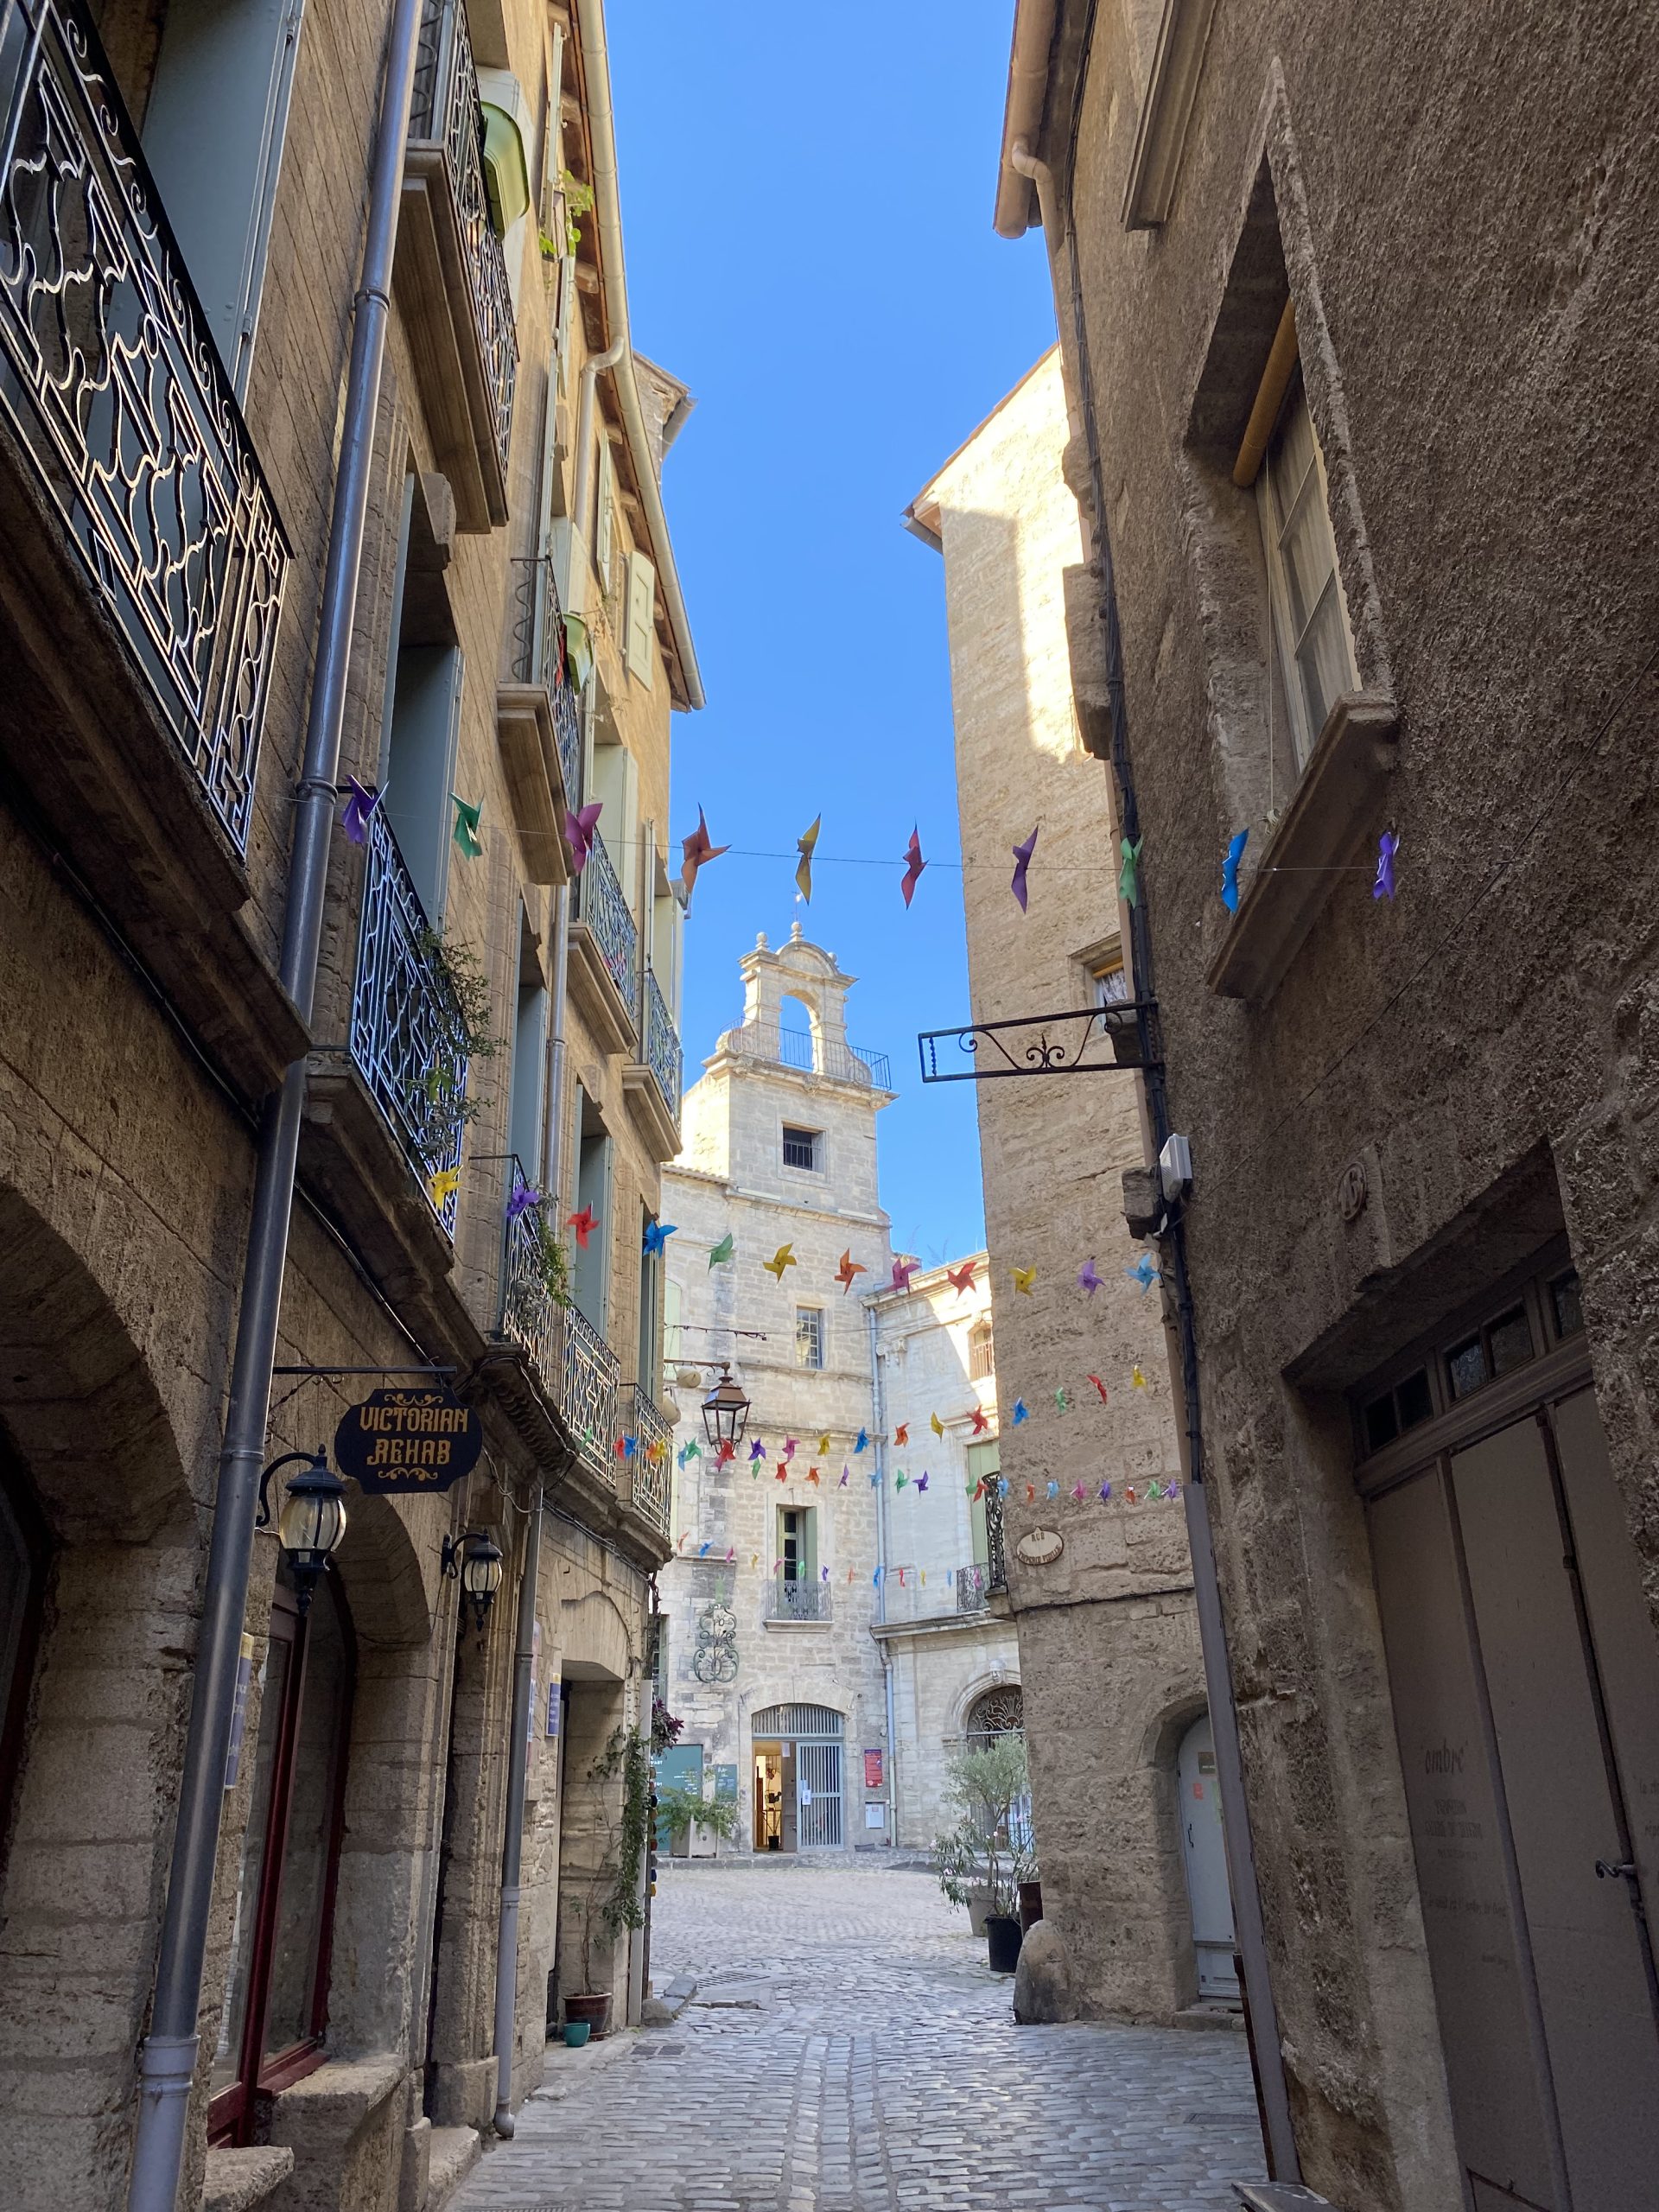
(168, 2056)
(553, 1146)
(878, 1422)
(512, 1846)
(1250, 1931)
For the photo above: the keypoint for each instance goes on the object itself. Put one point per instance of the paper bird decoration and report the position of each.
(902, 1272)
(1143, 1272)
(704, 1550)
(790, 1449)
(824, 1574)
(1130, 1496)
(1022, 861)
(468, 840)
(781, 1258)
(357, 811)
(719, 1254)
(757, 1449)
(584, 1224)
(524, 1196)
(1105, 1493)
(901, 1479)
(783, 1474)
(961, 1278)
(1087, 1278)
(980, 1422)
(1078, 1492)
(697, 850)
(803, 845)
(849, 1267)
(823, 1447)
(1031, 1493)
(1172, 1488)
(1387, 846)
(1154, 1488)
(1101, 1387)
(1021, 1411)
(1128, 878)
(579, 824)
(842, 1484)
(694, 1450)
(922, 1484)
(861, 1443)
(1136, 1377)
(682, 1456)
(1062, 1403)
(1023, 1279)
(441, 1185)
(812, 1474)
(902, 1434)
(1053, 1490)
(725, 1451)
(731, 1553)
(1230, 870)
(657, 1234)
(913, 866)
(936, 1424)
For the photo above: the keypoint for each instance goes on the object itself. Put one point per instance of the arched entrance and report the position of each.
(1204, 1854)
(798, 1778)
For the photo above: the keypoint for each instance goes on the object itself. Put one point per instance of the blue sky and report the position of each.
(806, 206)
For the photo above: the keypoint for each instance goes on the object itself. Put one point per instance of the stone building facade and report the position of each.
(1099, 1585)
(177, 332)
(1363, 415)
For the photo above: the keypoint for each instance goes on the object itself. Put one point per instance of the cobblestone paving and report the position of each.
(858, 2056)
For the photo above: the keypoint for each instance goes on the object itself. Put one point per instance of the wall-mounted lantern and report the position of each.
(475, 1559)
(311, 1520)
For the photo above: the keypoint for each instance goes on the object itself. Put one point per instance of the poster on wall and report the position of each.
(873, 1769)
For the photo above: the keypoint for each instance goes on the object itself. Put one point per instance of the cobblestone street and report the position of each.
(849, 2051)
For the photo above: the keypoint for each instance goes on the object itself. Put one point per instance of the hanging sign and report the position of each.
(400, 1441)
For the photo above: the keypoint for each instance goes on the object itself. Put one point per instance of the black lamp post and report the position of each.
(475, 1560)
(311, 1521)
(725, 1411)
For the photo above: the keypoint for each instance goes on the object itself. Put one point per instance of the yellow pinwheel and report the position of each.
(781, 1258)
(1023, 1279)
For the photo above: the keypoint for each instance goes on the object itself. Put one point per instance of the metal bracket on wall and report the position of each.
(1088, 1041)
(366, 1370)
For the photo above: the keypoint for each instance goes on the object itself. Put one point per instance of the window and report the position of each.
(982, 1352)
(1111, 983)
(798, 1549)
(640, 620)
(422, 712)
(1309, 620)
(809, 1335)
(802, 1147)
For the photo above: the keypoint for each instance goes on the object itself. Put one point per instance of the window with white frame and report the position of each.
(802, 1147)
(982, 1352)
(809, 1335)
(1110, 982)
(1311, 636)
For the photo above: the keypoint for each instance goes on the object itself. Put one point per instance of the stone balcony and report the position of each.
(603, 951)
(653, 1082)
(538, 720)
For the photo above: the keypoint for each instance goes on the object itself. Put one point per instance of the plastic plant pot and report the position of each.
(1003, 1937)
(576, 2033)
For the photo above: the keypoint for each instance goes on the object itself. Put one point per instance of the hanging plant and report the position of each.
(464, 983)
(578, 201)
(549, 1261)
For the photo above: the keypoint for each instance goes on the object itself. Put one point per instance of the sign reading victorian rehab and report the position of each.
(408, 1440)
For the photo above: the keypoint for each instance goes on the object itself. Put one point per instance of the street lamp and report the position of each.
(311, 1521)
(725, 1410)
(475, 1560)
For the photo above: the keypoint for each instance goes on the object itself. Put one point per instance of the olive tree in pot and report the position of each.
(611, 1901)
(679, 1809)
(987, 1851)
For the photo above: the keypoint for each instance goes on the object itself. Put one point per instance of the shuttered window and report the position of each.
(642, 601)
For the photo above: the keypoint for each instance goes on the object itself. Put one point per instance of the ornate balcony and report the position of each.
(408, 1038)
(603, 951)
(586, 1392)
(653, 1082)
(996, 1568)
(131, 442)
(973, 1581)
(643, 1419)
(529, 1315)
(452, 277)
(797, 1601)
(797, 1048)
(537, 719)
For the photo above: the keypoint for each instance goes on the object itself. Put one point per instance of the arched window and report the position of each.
(1000, 1711)
(982, 1354)
(275, 2007)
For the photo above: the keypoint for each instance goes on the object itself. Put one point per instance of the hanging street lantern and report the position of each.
(725, 1411)
(475, 1560)
(311, 1521)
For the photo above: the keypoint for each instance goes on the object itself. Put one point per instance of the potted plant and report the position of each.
(988, 1849)
(679, 1809)
(610, 1897)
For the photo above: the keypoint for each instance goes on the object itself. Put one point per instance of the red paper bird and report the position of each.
(698, 849)
(1101, 1387)
(913, 866)
(980, 1422)
(961, 1277)
(849, 1268)
(902, 1434)
(584, 1223)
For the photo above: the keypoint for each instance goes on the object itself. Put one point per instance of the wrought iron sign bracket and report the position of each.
(365, 1370)
(1087, 1040)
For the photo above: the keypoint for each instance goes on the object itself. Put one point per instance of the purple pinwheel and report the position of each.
(1021, 862)
(525, 1197)
(757, 1450)
(354, 816)
(921, 1482)
(579, 826)
(1387, 846)
(1087, 1278)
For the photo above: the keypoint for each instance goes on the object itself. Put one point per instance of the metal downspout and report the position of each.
(512, 1844)
(168, 2056)
(1266, 2050)
(877, 1426)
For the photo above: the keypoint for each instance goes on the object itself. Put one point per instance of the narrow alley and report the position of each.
(846, 2049)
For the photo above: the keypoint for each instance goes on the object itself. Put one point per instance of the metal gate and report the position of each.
(814, 1733)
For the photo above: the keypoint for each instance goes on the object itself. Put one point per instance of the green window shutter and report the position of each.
(642, 604)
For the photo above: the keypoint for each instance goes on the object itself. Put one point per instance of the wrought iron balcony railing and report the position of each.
(529, 1313)
(407, 1036)
(996, 1569)
(662, 1045)
(113, 386)
(797, 1601)
(538, 658)
(973, 1581)
(447, 111)
(587, 1389)
(601, 905)
(653, 1462)
(798, 1048)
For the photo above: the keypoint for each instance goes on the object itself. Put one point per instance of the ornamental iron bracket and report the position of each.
(1089, 1040)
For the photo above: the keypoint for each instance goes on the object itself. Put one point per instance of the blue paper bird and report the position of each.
(657, 1234)
(1229, 871)
(1021, 1411)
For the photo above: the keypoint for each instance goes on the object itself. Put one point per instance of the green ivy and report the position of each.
(578, 201)
(626, 1754)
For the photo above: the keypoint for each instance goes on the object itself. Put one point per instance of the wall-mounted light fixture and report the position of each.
(311, 1520)
(725, 1410)
(475, 1560)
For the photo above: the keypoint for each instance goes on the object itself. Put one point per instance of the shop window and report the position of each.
(275, 2009)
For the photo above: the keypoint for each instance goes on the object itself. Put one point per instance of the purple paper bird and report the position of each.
(524, 1196)
(913, 866)
(1387, 846)
(579, 825)
(1229, 871)
(359, 806)
(1021, 862)
(1087, 1278)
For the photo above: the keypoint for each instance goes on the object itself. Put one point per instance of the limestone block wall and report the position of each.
(941, 1664)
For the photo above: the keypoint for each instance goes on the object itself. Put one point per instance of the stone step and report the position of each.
(454, 2153)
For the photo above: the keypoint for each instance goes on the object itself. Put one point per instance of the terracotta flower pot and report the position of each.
(592, 2009)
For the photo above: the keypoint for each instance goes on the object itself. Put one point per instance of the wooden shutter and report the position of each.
(605, 521)
(642, 605)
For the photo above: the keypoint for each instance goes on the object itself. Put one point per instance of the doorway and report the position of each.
(1525, 1682)
(1204, 1854)
(797, 1766)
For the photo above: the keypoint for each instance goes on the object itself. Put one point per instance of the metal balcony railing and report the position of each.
(996, 1571)
(798, 1048)
(114, 388)
(604, 910)
(529, 1313)
(447, 109)
(973, 1581)
(538, 658)
(587, 1370)
(651, 1465)
(662, 1045)
(408, 1037)
(797, 1601)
